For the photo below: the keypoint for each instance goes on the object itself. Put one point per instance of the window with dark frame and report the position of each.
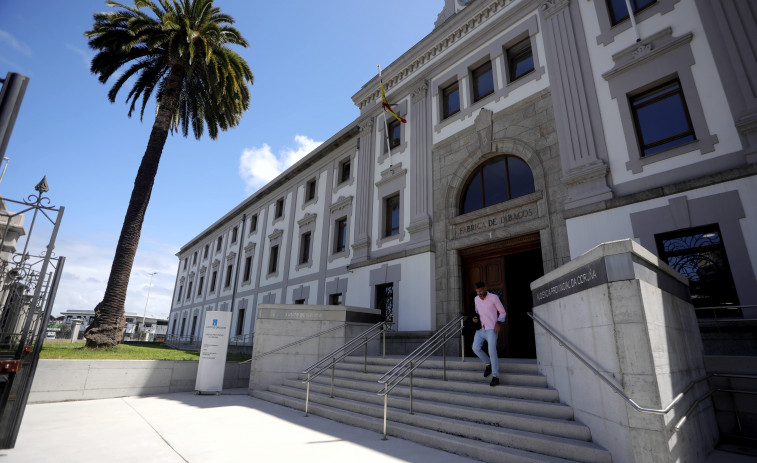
(240, 322)
(273, 260)
(194, 324)
(205, 253)
(392, 215)
(279, 208)
(661, 118)
(194, 258)
(247, 268)
(228, 277)
(310, 190)
(497, 180)
(699, 255)
(218, 243)
(199, 287)
(189, 290)
(340, 235)
(483, 81)
(213, 279)
(305, 247)
(395, 133)
(335, 299)
(254, 223)
(299, 301)
(181, 290)
(234, 233)
(520, 59)
(619, 11)
(385, 300)
(450, 100)
(185, 262)
(344, 171)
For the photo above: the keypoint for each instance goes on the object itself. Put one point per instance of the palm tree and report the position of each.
(177, 49)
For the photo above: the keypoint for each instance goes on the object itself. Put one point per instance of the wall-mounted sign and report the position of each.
(494, 221)
(581, 279)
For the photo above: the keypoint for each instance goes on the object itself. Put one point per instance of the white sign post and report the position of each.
(215, 343)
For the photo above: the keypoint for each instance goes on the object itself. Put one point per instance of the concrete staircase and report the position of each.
(521, 420)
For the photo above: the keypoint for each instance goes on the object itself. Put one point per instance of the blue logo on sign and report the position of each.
(215, 322)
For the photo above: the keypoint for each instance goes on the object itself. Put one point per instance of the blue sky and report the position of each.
(309, 57)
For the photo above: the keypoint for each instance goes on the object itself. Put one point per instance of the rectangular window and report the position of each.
(385, 300)
(450, 100)
(520, 59)
(213, 279)
(279, 208)
(254, 223)
(344, 171)
(619, 11)
(340, 235)
(305, 248)
(194, 258)
(205, 253)
(218, 243)
(194, 324)
(335, 299)
(178, 296)
(234, 232)
(395, 133)
(483, 81)
(310, 190)
(185, 263)
(228, 276)
(199, 287)
(240, 322)
(189, 290)
(300, 301)
(183, 325)
(247, 268)
(392, 215)
(661, 118)
(273, 260)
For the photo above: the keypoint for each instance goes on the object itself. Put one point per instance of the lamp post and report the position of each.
(147, 302)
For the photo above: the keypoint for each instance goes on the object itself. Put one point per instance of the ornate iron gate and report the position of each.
(28, 284)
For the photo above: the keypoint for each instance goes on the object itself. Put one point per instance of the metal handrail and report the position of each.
(601, 376)
(299, 341)
(406, 366)
(685, 416)
(361, 340)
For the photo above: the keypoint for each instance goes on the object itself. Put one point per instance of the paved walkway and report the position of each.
(184, 427)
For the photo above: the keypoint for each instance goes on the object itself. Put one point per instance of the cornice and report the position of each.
(307, 220)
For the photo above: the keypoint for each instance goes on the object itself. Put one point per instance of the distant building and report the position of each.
(154, 328)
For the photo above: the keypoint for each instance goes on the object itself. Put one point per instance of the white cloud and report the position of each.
(258, 166)
(11, 41)
(84, 55)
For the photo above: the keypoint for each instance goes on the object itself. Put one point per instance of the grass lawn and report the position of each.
(132, 351)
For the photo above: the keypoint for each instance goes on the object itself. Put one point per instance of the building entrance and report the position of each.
(508, 268)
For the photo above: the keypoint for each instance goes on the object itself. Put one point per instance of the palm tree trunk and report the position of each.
(109, 322)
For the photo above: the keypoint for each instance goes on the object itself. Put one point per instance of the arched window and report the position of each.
(495, 181)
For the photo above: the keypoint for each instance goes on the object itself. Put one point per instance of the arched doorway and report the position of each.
(507, 267)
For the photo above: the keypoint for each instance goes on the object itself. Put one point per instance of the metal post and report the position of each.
(365, 356)
(411, 388)
(383, 341)
(386, 397)
(333, 367)
(307, 396)
(462, 339)
(444, 357)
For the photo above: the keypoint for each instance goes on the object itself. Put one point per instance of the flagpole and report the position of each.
(386, 124)
(633, 20)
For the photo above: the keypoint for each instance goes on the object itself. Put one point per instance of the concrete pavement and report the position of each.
(184, 427)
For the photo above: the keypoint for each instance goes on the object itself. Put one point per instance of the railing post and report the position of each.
(307, 396)
(365, 357)
(444, 357)
(411, 388)
(333, 367)
(462, 339)
(383, 341)
(386, 398)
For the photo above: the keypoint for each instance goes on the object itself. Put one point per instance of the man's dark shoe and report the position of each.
(494, 382)
(487, 371)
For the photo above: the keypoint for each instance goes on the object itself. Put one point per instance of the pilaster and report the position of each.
(364, 194)
(420, 168)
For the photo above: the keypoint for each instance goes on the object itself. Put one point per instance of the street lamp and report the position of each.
(147, 302)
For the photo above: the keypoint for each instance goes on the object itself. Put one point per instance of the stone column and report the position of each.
(577, 118)
(421, 202)
(364, 194)
(75, 327)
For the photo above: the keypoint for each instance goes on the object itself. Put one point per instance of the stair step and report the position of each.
(524, 366)
(481, 451)
(523, 440)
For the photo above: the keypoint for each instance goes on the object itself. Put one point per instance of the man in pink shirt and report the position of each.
(491, 313)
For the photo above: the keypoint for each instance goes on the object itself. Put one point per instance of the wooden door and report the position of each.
(490, 270)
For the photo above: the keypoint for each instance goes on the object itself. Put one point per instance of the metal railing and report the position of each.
(696, 403)
(406, 366)
(601, 376)
(295, 343)
(241, 339)
(332, 358)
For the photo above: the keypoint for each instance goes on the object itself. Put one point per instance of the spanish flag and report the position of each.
(385, 104)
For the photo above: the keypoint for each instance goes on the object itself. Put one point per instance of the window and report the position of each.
(661, 118)
(194, 324)
(183, 325)
(247, 268)
(395, 133)
(335, 299)
(699, 255)
(254, 223)
(450, 100)
(499, 179)
(178, 296)
(218, 243)
(173, 326)
(305, 248)
(385, 300)
(199, 287)
(234, 232)
(483, 81)
(300, 301)
(310, 190)
(240, 321)
(205, 253)
(340, 235)
(189, 290)
(392, 215)
(619, 12)
(520, 59)
(344, 171)
(185, 263)
(194, 258)
(213, 279)
(273, 260)
(279, 208)
(228, 277)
